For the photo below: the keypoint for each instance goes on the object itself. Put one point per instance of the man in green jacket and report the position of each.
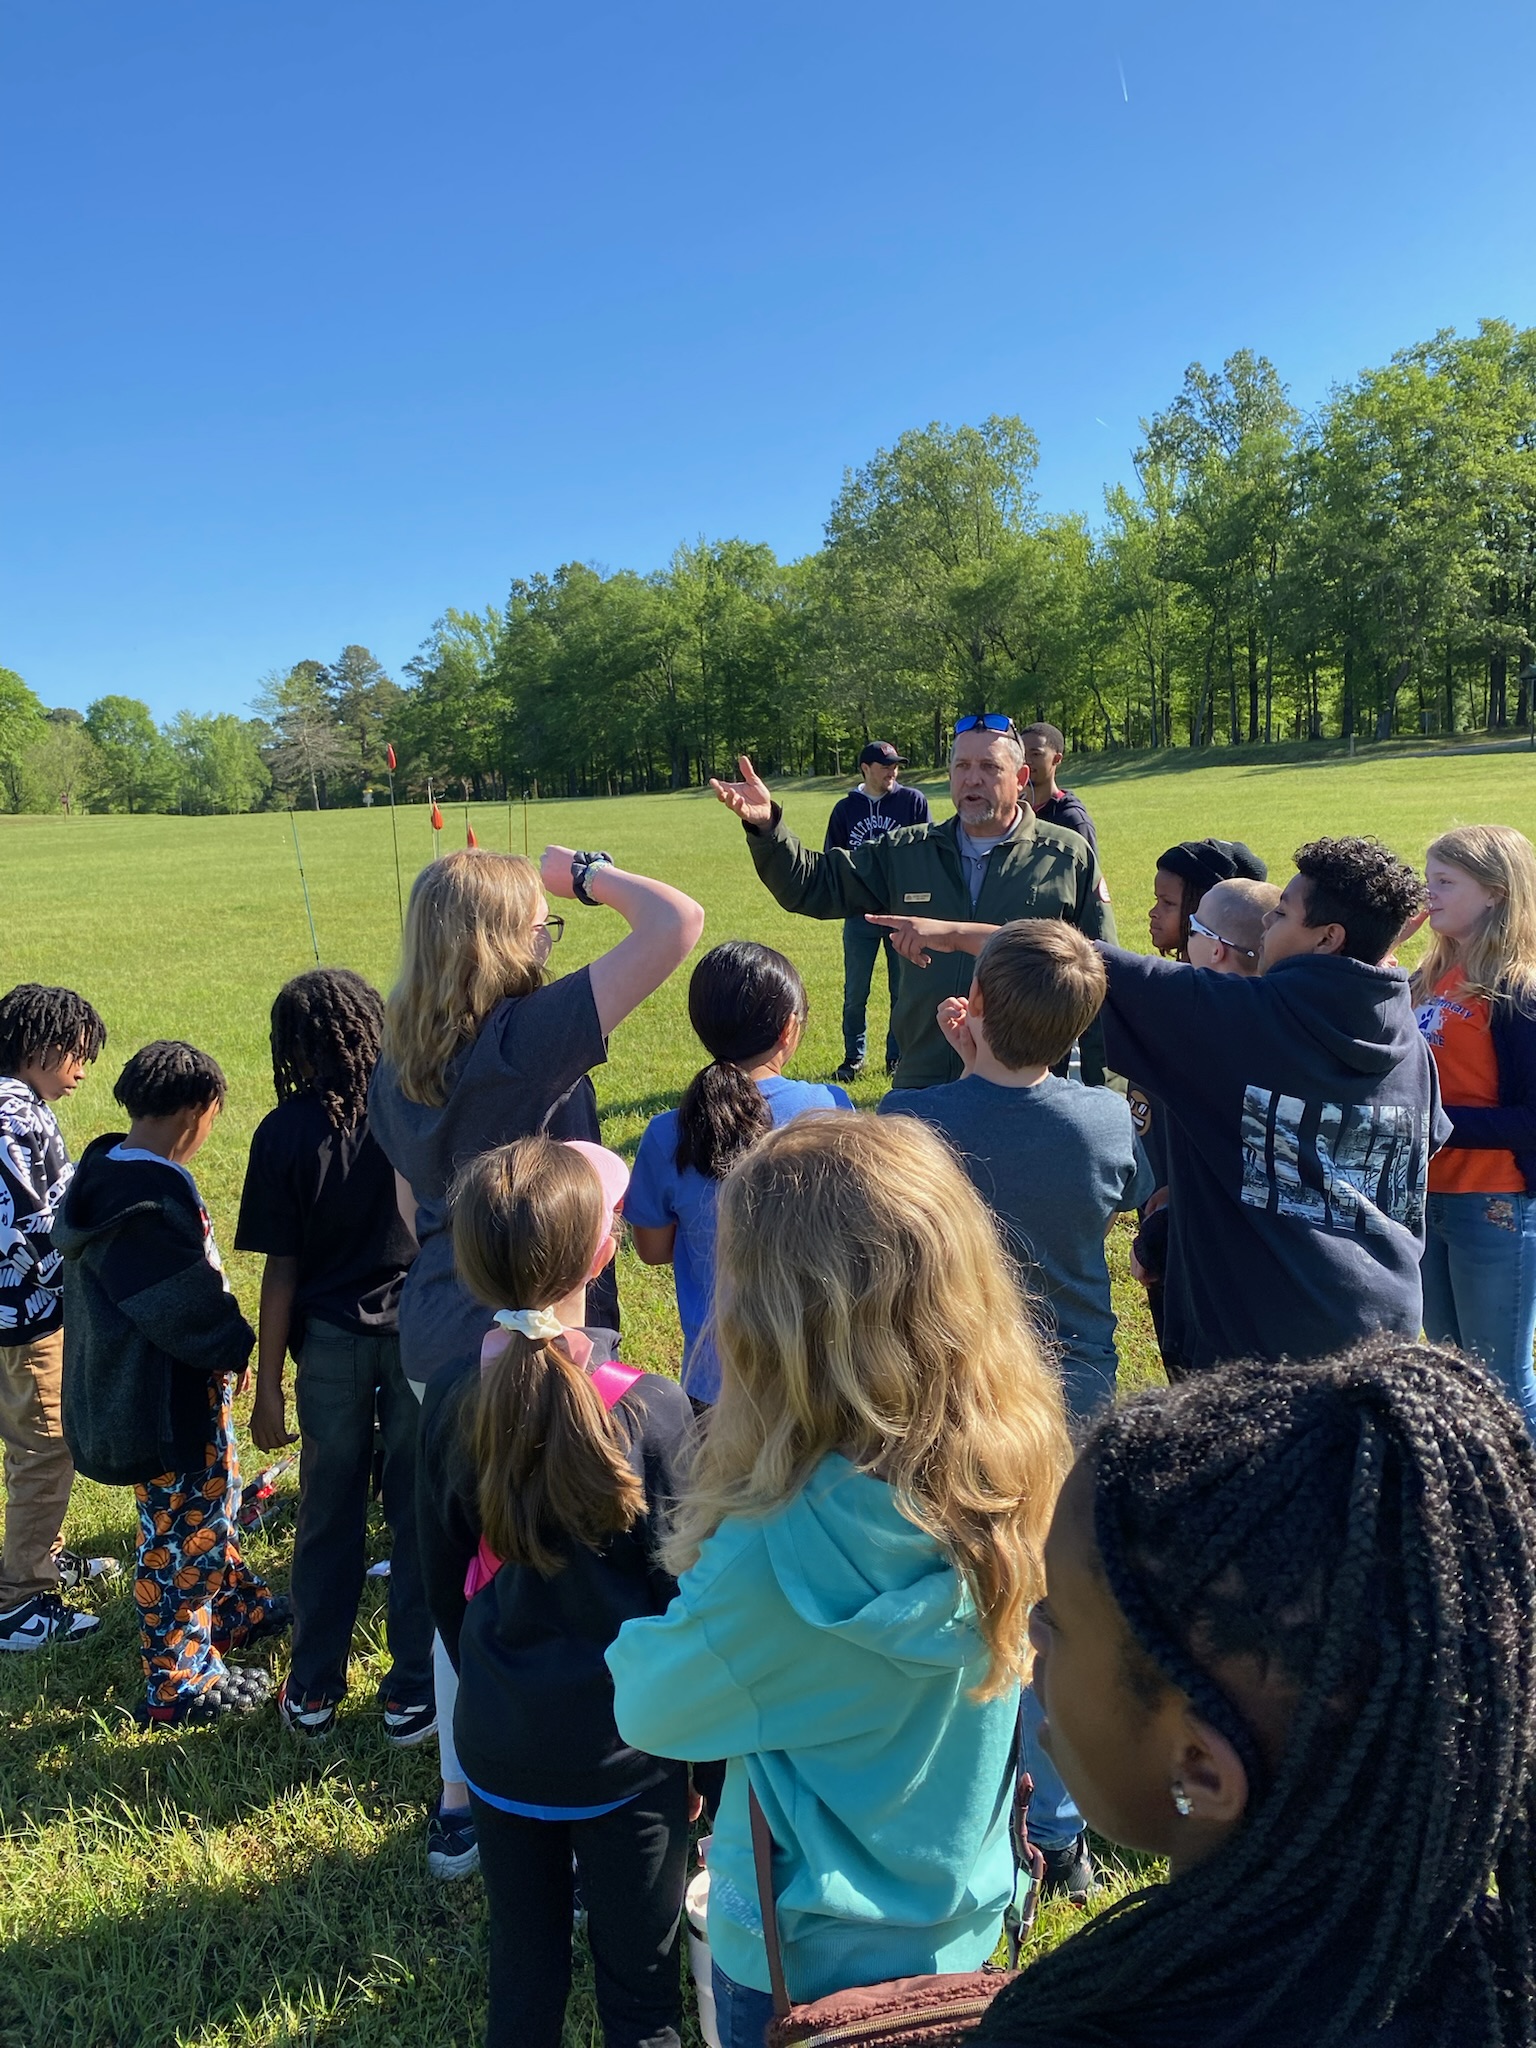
(990, 863)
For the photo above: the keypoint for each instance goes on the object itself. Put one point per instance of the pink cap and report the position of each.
(610, 1170)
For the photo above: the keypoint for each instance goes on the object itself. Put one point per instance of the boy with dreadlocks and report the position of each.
(48, 1037)
(1289, 1644)
(320, 1202)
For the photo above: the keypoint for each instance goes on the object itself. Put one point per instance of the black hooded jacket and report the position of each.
(534, 1720)
(147, 1319)
(1301, 1111)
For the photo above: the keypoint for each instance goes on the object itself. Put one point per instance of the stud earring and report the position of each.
(1183, 1805)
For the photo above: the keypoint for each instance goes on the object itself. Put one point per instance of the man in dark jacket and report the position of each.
(1302, 1110)
(152, 1336)
(991, 862)
(1044, 752)
(879, 805)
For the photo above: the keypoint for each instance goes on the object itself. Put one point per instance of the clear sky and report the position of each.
(323, 315)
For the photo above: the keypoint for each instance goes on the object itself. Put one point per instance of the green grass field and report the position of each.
(223, 1887)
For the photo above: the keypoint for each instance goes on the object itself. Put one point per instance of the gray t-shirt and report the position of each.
(1054, 1163)
(525, 1072)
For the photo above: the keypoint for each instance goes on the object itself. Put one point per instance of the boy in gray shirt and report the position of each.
(1054, 1160)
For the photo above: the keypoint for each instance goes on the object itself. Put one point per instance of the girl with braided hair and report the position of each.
(320, 1203)
(1287, 1643)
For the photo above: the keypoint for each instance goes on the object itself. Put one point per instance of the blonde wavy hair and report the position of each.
(469, 944)
(1500, 957)
(864, 1304)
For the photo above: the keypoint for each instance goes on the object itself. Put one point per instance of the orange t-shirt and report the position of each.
(1456, 1026)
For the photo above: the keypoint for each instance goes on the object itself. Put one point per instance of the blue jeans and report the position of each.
(1480, 1285)
(741, 2014)
(861, 949)
(1054, 1821)
(346, 1385)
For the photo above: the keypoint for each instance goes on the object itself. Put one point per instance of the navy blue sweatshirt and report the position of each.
(1301, 1111)
(859, 817)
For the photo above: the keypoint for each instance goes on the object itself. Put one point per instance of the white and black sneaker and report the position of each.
(311, 1722)
(42, 1620)
(405, 1726)
(77, 1570)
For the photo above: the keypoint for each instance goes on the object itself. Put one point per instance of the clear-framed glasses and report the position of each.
(553, 928)
(1248, 952)
(985, 721)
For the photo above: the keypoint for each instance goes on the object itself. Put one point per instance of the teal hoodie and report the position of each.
(829, 1650)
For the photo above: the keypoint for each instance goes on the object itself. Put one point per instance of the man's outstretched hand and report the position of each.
(749, 798)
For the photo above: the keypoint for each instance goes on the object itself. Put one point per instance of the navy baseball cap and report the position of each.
(883, 752)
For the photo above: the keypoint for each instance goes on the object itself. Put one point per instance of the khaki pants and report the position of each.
(38, 1469)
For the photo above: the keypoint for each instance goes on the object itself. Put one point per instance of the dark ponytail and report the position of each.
(741, 998)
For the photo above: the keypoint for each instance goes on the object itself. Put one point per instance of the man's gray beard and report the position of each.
(987, 817)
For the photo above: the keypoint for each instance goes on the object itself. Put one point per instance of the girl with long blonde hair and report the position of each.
(858, 1549)
(1476, 991)
(481, 1048)
(547, 1472)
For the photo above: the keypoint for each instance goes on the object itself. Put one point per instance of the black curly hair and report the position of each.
(167, 1076)
(325, 1040)
(47, 1025)
(1362, 885)
(1366, 1526)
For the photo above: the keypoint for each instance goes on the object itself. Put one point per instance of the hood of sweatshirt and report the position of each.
(1362, 1017)
(850, 1564)
(105, 1193)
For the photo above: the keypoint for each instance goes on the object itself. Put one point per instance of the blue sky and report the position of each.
(323, 317)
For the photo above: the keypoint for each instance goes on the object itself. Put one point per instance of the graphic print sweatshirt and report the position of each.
(1301, 1109)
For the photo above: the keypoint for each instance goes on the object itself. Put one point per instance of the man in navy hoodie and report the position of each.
(1302, 1112)
(879, 805)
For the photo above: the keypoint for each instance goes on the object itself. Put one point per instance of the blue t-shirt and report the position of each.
(660, 1194)
(1054, 1162)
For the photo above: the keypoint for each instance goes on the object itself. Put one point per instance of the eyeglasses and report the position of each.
(1248, 952)
(987, 721)
(555, 926)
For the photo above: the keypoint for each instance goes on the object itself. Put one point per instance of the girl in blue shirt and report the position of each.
(748, 1006)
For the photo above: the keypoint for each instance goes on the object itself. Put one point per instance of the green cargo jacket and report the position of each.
(917, 872)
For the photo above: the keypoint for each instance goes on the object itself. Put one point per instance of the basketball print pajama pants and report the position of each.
(195, 1593)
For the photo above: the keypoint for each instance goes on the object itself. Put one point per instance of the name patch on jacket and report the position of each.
(918, 896)
(1334, 1165)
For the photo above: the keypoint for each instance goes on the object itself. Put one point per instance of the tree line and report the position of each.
(1366, 570)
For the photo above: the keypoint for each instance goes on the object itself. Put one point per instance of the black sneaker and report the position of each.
(405, 1726)
(452, 1851)
(1069, 1872)
(277, 1621)
(237, 1692)
(312, 1723)
(75, 1570)
(850, 1070)
(42, 1620)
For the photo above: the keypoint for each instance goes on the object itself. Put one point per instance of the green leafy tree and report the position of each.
(366, 703)
(21, 720)
(136, 771)
(61, 765)
(218, 762)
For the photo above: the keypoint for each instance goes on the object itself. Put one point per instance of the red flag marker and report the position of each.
(389, 756)
(437, 819)
(473, 841)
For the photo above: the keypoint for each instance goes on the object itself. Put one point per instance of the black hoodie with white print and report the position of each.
(34, 1172)
(1301, 1112)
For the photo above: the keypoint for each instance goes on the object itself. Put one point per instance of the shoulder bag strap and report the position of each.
(762, 1863)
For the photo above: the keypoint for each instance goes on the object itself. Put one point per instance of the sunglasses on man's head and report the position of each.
(985, 721)
(1248, 952)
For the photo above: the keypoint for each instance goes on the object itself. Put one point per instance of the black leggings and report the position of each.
(632, 1867)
